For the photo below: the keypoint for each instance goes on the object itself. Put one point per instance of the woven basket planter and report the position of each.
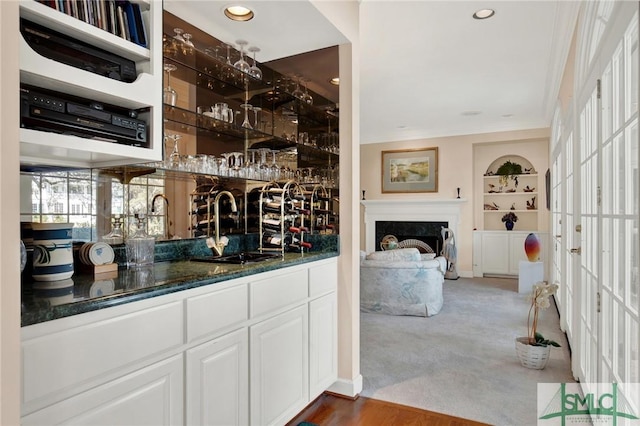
(535, 357)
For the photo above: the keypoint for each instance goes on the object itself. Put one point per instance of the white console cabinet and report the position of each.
(253, 350)
(500, 252)
(42, 147)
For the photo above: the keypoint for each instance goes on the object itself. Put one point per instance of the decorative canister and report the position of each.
(52, 251)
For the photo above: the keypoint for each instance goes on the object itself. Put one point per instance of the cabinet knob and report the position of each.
(577, 250)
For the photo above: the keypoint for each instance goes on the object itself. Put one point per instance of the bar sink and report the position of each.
(238, 258)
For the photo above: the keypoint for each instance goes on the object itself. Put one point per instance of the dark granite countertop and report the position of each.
(83, 293)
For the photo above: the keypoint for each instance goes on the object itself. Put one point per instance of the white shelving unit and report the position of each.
(41, 147)
(515, 193)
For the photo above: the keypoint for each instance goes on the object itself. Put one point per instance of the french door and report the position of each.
(595, 211)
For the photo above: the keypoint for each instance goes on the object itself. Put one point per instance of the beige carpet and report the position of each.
(462, 362)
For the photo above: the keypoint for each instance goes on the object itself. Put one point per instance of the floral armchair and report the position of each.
(402, 282)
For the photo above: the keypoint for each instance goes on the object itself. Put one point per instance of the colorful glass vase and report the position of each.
(532, 247)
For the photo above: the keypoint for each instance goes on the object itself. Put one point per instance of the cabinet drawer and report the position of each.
(66, 361)
(323, 279)
(217, 310)
(277, 292)
(152, 396)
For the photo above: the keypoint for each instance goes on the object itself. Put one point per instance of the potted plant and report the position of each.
(508, 170)
(509, 219)
(533, 350)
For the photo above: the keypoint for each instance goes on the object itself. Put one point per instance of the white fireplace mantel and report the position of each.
(409, 210)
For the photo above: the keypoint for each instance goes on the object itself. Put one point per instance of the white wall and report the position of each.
(9, 217)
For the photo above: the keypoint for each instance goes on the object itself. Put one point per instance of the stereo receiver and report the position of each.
(51, 111)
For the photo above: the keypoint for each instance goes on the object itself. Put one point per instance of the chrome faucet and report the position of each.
(219, 245)
(166, 212)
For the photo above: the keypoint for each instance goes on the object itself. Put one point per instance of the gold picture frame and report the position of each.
(410, 170)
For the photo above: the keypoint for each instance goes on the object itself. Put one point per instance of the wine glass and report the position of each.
(254, 71)
(170, 95)
(297, 92)
(246, 124)
(187, 47)
(178, 40)
(275, 170)
(228, 46)
(174, 157)
(306, 97)
(241, 64)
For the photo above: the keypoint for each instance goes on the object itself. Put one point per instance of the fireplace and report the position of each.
(428, 232)
(414, 213)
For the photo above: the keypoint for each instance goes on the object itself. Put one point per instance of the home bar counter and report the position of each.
(183, 341)
(89, 293)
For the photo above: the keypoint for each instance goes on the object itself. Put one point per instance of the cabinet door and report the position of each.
(150, 396)
(323, 344)
(516, 252)
(495, 253)
(279, 363)
(218, 381)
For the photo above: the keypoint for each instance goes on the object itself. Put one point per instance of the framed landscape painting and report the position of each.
(410, 170)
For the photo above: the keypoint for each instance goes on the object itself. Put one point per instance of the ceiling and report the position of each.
(428, 69)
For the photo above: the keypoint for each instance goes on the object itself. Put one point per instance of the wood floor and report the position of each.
(331, 410)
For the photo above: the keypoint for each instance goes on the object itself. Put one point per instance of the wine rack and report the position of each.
(318, 202)
(283, 217)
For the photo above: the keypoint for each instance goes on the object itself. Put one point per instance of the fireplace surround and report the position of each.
(435, 211)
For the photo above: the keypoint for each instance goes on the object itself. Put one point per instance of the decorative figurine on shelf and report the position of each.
(492, 206)
(450, 253)
(515, 179)
(509, 220)
(513, 206)
(532, 247)
(527, 189)
(492, 188)
(529, 170)
(532, 204)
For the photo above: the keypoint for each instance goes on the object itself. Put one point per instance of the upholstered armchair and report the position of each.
(401, 282)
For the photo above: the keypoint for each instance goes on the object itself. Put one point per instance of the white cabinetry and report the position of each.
(143, 94)
(253, 350)
(150, 396)
(323, 328)
(218, 381)
(500, 252)
(279, 364)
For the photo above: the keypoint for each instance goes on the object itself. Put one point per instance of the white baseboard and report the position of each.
(348, 388)
(466, 274)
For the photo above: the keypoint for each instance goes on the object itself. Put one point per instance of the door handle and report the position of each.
(577, 250)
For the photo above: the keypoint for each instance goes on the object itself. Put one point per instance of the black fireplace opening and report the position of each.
(427, 232)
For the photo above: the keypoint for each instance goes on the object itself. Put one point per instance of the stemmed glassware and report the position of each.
(246, 124)
(170, 95)
(228, 46)
(254, 71)
(306, 97)
(174, 157)
(297, 92)
(241, 64)
(187, 46)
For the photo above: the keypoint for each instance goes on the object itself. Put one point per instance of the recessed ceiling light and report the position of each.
(238, 13)
(335, 81)
(484, 14)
